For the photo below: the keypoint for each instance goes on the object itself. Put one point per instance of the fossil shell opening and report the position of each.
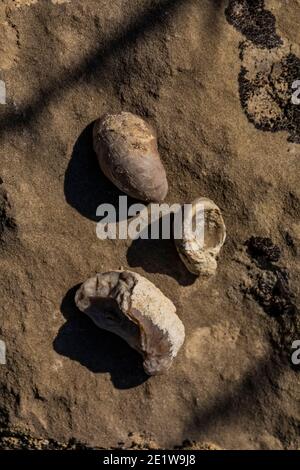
(199, 253)
(130, 306)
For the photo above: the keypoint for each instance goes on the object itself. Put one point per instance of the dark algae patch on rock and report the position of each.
(272, 291)
(255, 22)
(270, 287)
(266, 98)
(263, 247)
(268, 70)
(271, 283)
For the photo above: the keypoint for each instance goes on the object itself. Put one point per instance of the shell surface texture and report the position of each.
(127, 151)
(200, 254)
(127, 304)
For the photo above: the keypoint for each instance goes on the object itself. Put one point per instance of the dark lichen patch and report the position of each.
(271, 289)
(253, 21)
(267, 98)
(269, 283)
(263, 248)
(7, 219)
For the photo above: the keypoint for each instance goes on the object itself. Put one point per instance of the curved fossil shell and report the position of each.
(127, 151)
(130, 306)
(200, 255)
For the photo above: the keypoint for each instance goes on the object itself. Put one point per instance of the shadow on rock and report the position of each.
(159, 256)
(85, 185)
(98, 350)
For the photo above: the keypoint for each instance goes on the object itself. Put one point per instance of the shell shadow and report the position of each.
(85, 186)
(96, 349)
(159, 256)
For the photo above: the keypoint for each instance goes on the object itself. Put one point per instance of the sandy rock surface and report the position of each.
(216, 88)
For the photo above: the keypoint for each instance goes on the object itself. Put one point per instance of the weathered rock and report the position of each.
(127, 151)
(64, 380)
(130, 306)
(7, 219)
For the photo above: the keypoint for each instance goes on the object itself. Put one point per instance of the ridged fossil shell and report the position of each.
(200, 255)
(130, 306)
(127, 151)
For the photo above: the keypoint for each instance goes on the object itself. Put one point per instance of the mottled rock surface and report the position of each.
(226, 130)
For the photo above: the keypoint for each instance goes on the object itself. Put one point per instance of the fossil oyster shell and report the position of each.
(130, 306)
(200, 254)
(126, 147)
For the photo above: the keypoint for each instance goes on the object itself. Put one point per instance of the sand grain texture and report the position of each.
(184, 66)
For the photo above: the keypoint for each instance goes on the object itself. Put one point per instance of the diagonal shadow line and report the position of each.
(90, 66)
(245, 399)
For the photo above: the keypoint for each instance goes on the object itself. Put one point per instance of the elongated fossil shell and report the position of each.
(200, 254)
(130, 306)
(126, 147)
